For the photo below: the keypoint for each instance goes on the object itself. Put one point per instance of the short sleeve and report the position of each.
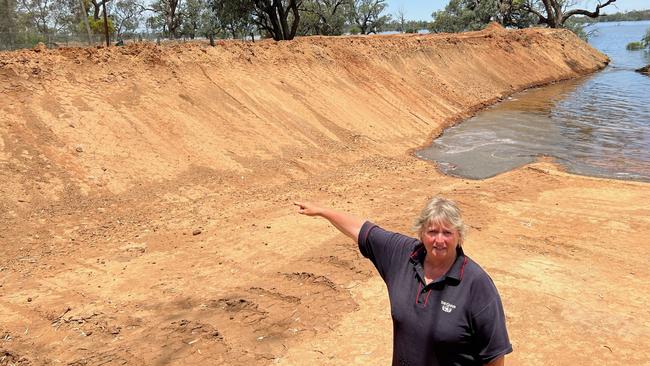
(382, 247)
(489, 324)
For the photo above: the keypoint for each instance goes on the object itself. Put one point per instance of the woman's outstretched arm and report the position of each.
(349, 225)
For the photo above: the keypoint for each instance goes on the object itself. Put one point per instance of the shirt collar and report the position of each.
(458, 268)
(456, 271)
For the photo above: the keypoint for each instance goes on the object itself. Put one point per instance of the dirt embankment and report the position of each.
(145, 202)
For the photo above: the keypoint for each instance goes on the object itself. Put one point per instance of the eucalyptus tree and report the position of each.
(192, 11)
(555, 13)
(97, 7)
(278, 18)
(468, 15)
(235, 17)
(169, 12)
(127, 16)
(464, 15)
(368, 15)
(156, 24)
(209, 25)
(48, 17)
(324, 17)
(8, 26)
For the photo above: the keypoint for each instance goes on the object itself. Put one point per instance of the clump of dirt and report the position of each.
(494, 27)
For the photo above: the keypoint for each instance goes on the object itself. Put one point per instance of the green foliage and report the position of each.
(278, 18)
(463, 15)
(7, 24)
(324, 17)
(645, 42)
(309, 23)
(209, 25)
(170, 12)
(97, 26)
(10, 41)
(156, 24)
(369, 15)
(411, 26)
(634, 46)
(232, 18)
(469, 15)
(578, 28)
(191, 10)
(127, 15)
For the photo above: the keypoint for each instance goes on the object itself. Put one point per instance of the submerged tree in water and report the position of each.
(643, 43)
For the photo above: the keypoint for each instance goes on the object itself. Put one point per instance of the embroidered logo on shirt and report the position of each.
(447, 307)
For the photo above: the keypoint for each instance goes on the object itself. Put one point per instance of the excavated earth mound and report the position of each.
(146, 216)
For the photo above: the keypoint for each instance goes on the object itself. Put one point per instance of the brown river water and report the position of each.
(598, 125)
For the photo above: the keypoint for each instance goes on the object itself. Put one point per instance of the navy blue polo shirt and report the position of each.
(457, 319)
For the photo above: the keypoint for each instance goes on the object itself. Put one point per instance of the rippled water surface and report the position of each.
(598, 125)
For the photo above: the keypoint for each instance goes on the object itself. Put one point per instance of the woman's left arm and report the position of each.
(489, 322)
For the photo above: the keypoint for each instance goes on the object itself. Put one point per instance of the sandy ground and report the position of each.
(146, 217)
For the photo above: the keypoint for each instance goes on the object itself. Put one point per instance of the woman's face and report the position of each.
(440, 239)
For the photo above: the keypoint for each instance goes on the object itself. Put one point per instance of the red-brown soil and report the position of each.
(146, 217)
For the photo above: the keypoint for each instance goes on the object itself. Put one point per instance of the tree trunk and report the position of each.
(555, 16)
(293, 5)
(275, 22)
(282, 14)
(278, 16)
(108, 41)
(84, 16)
(10, 28)
(97, 8)
(173, 18)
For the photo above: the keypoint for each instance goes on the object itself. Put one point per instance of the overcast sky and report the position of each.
(422, 9)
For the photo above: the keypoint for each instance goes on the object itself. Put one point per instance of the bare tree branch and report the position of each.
(542, 19)
(591, 14)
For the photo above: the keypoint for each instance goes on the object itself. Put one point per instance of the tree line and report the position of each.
(466, 15)
(631, 16)
(173, 19)
(25, 21)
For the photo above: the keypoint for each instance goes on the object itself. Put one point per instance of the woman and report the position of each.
(445, 308)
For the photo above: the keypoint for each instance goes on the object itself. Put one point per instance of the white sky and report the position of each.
(422, 9)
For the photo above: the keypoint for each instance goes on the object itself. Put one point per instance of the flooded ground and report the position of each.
(599, 125)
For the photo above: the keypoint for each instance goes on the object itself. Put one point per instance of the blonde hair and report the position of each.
(440, 210)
